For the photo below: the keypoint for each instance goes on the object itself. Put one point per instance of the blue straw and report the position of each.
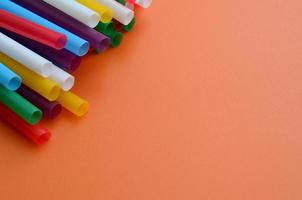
(9, 79)
(74, 43)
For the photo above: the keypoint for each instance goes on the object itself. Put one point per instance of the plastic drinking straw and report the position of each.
(120, 12)
(105, 28)
(77, 11)
(73, 103)
(36, 133)
(62, 58)
(96, 40)
(116, 38)
(49, 109)
(142, 3)
(74, 43)
(23, 108)
(43, 86)
(105, 13)
(31, 30)
(25, 56)
(9, 79)
(64, 79)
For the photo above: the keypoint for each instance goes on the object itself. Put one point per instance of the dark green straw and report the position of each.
(105, 28)
(116, 38)
(30, 113)
(123, 2)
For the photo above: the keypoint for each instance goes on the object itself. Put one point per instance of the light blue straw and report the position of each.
(9, 79)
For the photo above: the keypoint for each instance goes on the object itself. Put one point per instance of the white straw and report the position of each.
(64, 79)
(25, 56)
(144, 3)
(77, 11)
(121, 13)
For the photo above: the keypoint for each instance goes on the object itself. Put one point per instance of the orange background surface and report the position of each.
(201, 101)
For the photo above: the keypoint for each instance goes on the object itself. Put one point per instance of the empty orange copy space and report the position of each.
(202, 100)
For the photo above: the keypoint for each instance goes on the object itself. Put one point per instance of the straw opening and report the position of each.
(44, 138)
(14, 83)
(103, 44)
(68, 83)
(35, 117)
(144, 3)
(93, 20)
(55, 110)
(128, 17)
(83, 109)
(83, 49)
(116, 39)
(106, 16)
(61, 42)
(54, 93)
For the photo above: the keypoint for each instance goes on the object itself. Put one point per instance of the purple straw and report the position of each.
(62, 58)
(97, 40)
(50, 109)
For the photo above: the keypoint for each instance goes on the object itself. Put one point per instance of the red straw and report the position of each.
(36, 133)
(31, 30)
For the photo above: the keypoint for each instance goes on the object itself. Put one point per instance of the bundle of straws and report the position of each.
(41, 44)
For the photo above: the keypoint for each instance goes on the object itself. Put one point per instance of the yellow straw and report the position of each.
(73, 103)
(105, 13)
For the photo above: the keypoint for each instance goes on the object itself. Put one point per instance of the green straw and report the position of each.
(123, 2)
(30, 113)
(105, 28)
(116, 38)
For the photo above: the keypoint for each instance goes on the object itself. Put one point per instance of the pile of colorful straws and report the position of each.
(41, 44)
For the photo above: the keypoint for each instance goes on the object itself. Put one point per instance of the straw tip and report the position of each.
(53, 92)
(68, 83)
(61, 42)
(44, 138)
(55, 110)
(144, 3)
(83, 109)
(116, 39)
(107, 16)
(84, 48)
(93, 21)
(127, 18)
(14, 83)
